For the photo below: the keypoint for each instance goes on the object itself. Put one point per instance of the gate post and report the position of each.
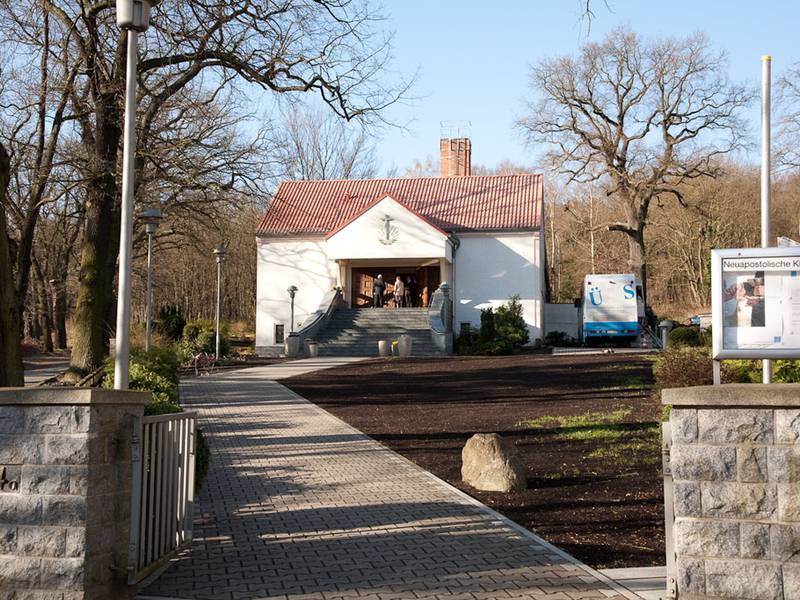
(65, 491)
(735, 462)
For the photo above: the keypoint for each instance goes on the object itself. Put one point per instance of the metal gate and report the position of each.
(162, 500)
(669, 509)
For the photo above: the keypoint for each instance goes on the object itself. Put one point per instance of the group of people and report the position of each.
(404, 293)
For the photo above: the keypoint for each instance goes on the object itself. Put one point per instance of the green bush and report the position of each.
(687, 337)
(560, 339)
(155, 371)
(503, 331)
(465, 340)
(750, 371)
(200, 336)
(688, 367)
(487, 331)
(170, 322)
(510, 325)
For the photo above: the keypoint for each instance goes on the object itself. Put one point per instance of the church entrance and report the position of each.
(424, 281)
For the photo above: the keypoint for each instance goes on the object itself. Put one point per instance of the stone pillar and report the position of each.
(65, 491)
(736, 470)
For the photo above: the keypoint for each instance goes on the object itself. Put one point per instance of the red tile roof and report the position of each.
(451, 203)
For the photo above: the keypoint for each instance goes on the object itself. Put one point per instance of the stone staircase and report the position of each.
(356, 332)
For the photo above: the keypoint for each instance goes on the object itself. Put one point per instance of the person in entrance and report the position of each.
(411, 292)
(399, 292)
(378, 287)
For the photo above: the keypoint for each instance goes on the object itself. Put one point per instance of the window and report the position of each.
(279, 333)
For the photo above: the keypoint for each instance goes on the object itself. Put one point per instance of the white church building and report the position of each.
(483, 235)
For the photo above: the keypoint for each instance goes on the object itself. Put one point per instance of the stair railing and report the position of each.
(319, 319)
(440, 319)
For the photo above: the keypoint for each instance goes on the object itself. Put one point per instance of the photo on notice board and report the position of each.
(744, 302)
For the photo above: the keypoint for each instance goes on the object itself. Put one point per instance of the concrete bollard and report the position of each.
(291, 347)
(404, 345)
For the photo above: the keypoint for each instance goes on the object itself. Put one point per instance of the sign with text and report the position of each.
(756, 303)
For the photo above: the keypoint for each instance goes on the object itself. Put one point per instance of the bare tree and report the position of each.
(647, 115)
(788, 134)
(333, 48)
(11, 373)
(311, 144)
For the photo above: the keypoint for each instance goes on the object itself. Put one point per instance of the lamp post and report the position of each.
(133, 16)
(219, 254)
(151, 218)
(292, 289)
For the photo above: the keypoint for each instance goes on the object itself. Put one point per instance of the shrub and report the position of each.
(170, 322)
(750, 371)
(688, 367)
(510, 325)
(687, 337)
(155, 371)
(200, 336)
(683, 367)
(503, 331)
(487, 331)
(465, 340)
(787, 371)
(559, 338)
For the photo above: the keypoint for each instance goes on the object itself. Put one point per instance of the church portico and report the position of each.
(358, 277)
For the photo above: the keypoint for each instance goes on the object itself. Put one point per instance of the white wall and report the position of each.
(490, 268)
(562, 317)
(304, 263)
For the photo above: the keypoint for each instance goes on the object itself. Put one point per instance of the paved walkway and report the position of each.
(44, 366)
(297, 504)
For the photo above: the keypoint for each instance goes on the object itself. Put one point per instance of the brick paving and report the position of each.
(299, 505)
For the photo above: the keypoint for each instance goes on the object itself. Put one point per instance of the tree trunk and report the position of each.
(60, 314)
(637, 262)
(100, 245)
(45, 303)
(11, 370)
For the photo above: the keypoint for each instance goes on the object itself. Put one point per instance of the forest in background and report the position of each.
(641, 142)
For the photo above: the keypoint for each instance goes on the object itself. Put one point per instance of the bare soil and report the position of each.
(594, 489)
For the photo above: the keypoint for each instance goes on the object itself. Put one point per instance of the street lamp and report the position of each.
(151, 218)
(133, 16)
(292, 289)
(219, 254)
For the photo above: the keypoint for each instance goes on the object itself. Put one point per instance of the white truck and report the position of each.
(612, 308)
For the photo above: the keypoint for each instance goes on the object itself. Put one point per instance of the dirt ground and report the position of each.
(585, 426)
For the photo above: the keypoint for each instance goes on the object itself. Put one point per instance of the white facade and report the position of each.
(492, 267)
(281, 264)
(483, 269)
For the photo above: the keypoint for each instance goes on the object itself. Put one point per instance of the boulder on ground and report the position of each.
(492, 464)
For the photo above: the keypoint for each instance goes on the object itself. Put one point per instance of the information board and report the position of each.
(756, 303)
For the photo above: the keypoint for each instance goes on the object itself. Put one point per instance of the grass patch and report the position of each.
(630, 450)
(574, 472)
(590, 426)
(631, 382)
(625, 444)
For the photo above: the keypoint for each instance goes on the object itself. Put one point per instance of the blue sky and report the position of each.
(473, 58)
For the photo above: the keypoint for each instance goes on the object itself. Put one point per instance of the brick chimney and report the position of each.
(455, 157)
